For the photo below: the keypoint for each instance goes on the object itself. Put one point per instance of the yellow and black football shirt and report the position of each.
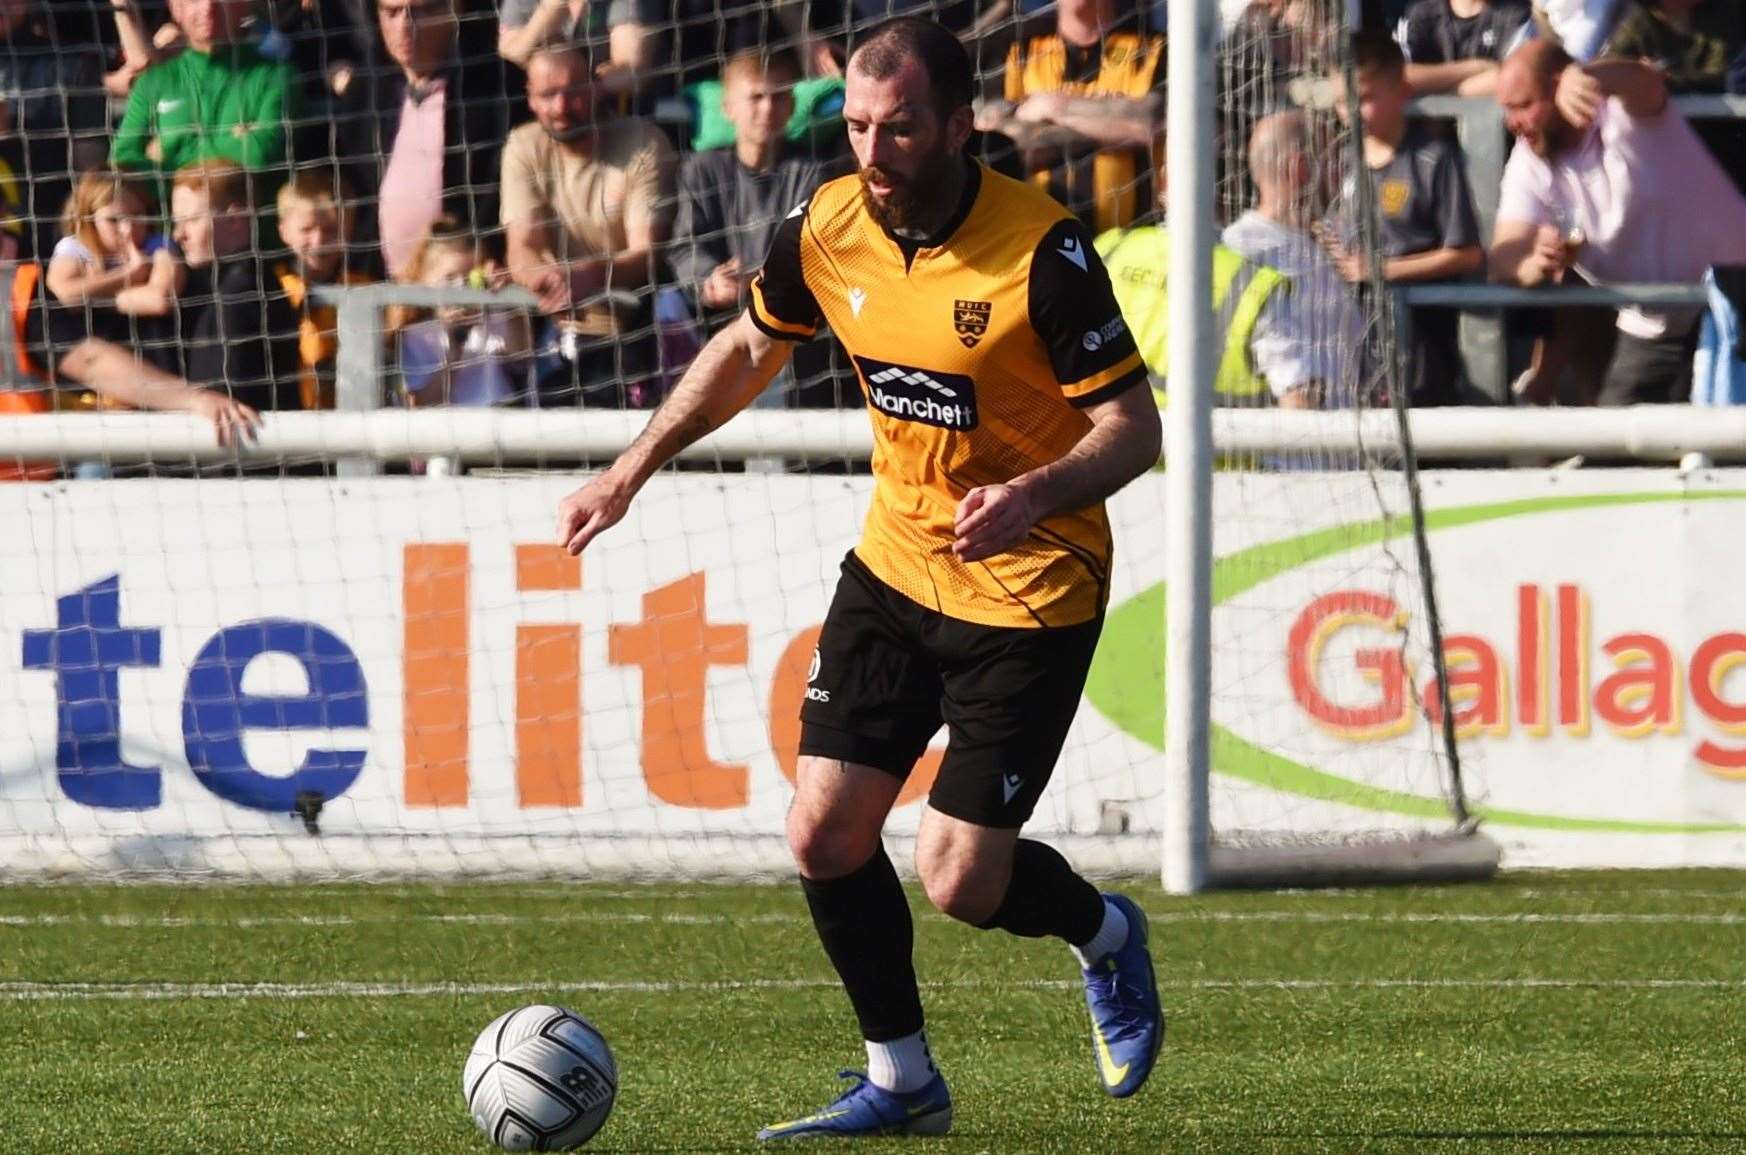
(976, 349)
(1108, 187)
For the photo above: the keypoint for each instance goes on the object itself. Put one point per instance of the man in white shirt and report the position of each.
(1316, 359)
(1608, 181)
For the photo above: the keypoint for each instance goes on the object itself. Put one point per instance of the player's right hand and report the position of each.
(233, 421)
(590, 511)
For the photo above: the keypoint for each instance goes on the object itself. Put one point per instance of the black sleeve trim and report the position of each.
(1114, 389)
(1073, 307)
(781, 281)
(774, 333)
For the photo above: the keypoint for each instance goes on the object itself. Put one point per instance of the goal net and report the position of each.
(1330, 756)
(386, 667)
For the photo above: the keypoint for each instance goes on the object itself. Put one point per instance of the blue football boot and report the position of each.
(1127, 1024)
(868, 1110)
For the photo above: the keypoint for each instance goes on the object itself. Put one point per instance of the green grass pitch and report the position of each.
(1542, 1013)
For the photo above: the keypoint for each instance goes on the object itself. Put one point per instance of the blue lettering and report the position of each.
(216, 712)
(86, 649)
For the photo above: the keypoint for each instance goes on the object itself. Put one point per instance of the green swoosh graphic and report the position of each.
(1126, 683)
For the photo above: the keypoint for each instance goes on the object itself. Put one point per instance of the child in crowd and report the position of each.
(107, 256)
(316, 226)
(458, 355)
(1425, 212)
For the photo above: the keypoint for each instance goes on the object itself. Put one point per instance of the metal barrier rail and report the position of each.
(1485, 296)
(1653, 433)
(358, 372)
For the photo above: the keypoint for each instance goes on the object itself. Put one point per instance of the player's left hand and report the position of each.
(991, 519)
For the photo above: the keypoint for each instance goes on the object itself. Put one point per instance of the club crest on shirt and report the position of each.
(970, 320)
(1391, 197)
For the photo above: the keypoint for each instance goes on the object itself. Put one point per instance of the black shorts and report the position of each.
(889, 672)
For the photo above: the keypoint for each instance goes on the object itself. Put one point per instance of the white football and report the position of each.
(540, 1079)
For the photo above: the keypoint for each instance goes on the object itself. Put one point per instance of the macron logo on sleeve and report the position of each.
(1075, 252)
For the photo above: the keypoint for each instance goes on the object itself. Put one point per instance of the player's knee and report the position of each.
(965, 890)
(825, 849)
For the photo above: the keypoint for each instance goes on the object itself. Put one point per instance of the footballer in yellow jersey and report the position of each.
(1007, 401)
(977, 355)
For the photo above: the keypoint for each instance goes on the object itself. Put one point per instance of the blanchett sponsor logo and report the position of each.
(1550, 678)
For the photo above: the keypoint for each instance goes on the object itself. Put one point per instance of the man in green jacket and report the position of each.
(218, 98)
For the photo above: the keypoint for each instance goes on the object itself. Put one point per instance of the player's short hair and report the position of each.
(751, 63)
(320, 189)
(225, 184)
(1378, 53)
(942, 56)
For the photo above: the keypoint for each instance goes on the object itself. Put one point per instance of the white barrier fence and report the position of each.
(186, 665)
(1650, 433)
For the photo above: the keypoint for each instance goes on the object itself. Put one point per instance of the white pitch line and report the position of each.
(175, 922)
(161, 992)
(1576, 918)
(1307, 917)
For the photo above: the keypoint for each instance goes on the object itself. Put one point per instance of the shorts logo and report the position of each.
(970, 321)
(813, 693)
(1010, 785)
(943, 400)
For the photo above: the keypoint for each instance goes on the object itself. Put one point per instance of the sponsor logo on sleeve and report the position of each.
(1096, 339)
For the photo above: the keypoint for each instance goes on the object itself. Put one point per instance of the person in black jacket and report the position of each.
(235, 331)
(420, 136)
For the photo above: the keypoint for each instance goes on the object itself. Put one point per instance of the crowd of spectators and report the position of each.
(178, 184)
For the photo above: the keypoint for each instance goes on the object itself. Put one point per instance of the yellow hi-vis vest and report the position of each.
(1139, 263)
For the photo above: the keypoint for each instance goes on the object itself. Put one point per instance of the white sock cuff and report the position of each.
(1109, 937)
(901, 1064)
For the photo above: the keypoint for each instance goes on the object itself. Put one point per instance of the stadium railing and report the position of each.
(1487, 368)
(1479, 127)
(1659, 434)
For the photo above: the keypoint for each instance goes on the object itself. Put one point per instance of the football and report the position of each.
(540, 1078)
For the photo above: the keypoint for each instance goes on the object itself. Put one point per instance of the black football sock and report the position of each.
(864, 922)
(1047, 898)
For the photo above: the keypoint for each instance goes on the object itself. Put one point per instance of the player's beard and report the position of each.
(913, 201)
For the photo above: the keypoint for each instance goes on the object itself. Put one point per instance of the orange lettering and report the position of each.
(1714, 660)
(435, 718)
(1637, 697)
(548, 715)
(1531, 657)
(1477, 686)
(1319, 622)
(1572, 659)
(675, 645)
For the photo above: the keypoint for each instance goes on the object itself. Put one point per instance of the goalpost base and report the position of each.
(1436, 859)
